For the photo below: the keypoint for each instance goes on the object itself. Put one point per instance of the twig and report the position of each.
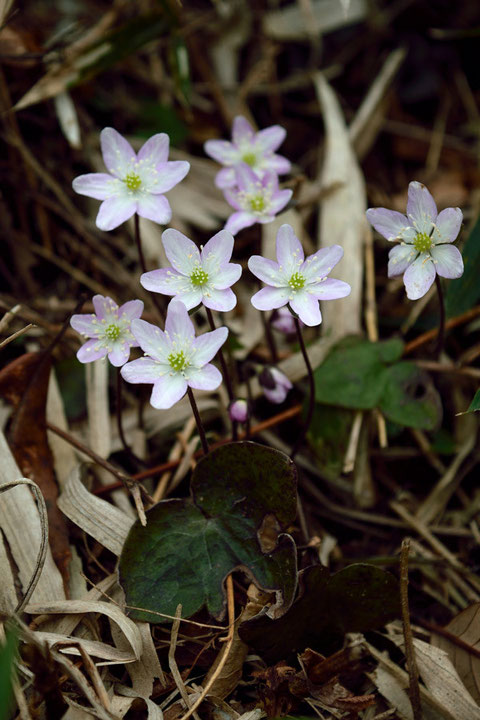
(431, 334)
(172, 663)
(414, 688)
(16, 335)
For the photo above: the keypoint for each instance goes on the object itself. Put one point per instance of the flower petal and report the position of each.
(246, 179)
(421, 207)
(232, 196)
(307, 308)
(279, 164)
(240, 220)
(270, 298)
(217, 251)
(178, 325)
(151, 339)
(390, 223)
(182, 252)
(115, 210)
(221, 300)
(104, 306)
(91, 351)
(143, 370)
(270, 138)
(448, 225)
(205, 378)
(85, 324)
(329, 289)
(279, 200)
(166, 176)
(154, 207)
(399, 258)
(131, 309)
(166, 281)
(222, 151)
(206, 346)
(448, 261)
(225, 178)
(168, 390)
(318, 265)
(155, 150)
(266, 270)
(118, 154)
(419, 276)
(242, 131)
(95, 185)
(227, 276)
(120, 353)
(290, 253)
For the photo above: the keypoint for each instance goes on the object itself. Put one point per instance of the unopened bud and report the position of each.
(275, 384)
(238, 410)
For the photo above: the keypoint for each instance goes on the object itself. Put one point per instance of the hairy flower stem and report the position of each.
(138, 241)
(441, 328)
(196, 415)
(311, 380)
(225, 372)
(126, 446)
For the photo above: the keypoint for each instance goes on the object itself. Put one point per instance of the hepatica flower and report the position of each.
(109, 330)
(425, 240)
(197, 276)
(255, 149)
(275, 384)
(292, 279)
(254, 199)
(134, 183)
(174, 359)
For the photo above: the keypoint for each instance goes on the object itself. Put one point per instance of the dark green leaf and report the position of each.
(328, 437)
(243, 496)
(409, 397)
(475, 404)
(360, 597)
(464, 293)
(153, 117)
(7, 655)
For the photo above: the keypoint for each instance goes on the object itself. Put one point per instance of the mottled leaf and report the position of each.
(409, 397)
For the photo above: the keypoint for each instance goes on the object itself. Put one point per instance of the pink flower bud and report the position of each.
(238, 410)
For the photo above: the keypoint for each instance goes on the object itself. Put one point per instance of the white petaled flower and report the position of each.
(255, 200)
(109, 330)
(247, 146)
(197, 276)
(134, 183)
(174, 359)
(292, 279)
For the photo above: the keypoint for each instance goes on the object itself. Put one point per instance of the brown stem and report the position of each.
(118, 408)
(225, 373)
(196, 415)
(138, 241)
(311, 381)
(414, 688)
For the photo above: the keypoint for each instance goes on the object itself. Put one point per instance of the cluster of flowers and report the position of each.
(174, 359)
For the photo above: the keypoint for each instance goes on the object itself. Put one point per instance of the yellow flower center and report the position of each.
(112, 332)
(132, 181)
(257, 203)
(199, 277)
(297, 281)
(178, 361)
(422, 242)
(249, 158)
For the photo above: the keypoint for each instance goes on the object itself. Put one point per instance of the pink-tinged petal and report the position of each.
(168, 390)
(232, 196)
(178, 325)
(222, 151)
(271, 138)
(151, 339)
(166, 281)
(207, 345)
(448, 261)
(220, 300)
(307, 308)
(246, 179)
(242, 131)
(279, 392)
(419, 276)
(104, 306)
(270, 298)
(91, 351)
(115, 210)
(330, 289)
(266, 270)
(131, 309)
(283, 321)
(290, 253)
(390, 223)
(169, 175)
(95, 185)
(421, 207)
(155, 150)
(119, 354)
(238, 221)
(118, 154)
(218, 250)
(448, 225)
(205, 378)
(399, 258)
(279, 200)
(227, 276)
(225, 178)
(143, 370)
(154, 207)
(190, 298)
(85, 324)
(279, 164)
(182, 252)
(320, 264)
(269, 182)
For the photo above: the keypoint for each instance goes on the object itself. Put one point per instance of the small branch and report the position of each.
(414, 689)
(311, 380)
(431, 334)
(16, 335)
(196, 415)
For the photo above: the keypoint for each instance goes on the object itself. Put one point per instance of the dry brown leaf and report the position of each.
(290, 23)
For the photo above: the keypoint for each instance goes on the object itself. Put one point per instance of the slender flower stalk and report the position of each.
(311, 399)
(441, 327)
(121, 433)
(225, 372)
(198, 420)
(143, 265)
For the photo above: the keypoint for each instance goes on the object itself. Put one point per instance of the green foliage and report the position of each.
(155, 117)
(243, 496)
(7, 655)
(464, 293)
(475, 404)
(359, 374)
(328, 437)
(71, 380)
(360, 597)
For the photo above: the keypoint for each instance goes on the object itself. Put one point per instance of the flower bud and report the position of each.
(283, 321)
(238, 410)
(275, 384)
